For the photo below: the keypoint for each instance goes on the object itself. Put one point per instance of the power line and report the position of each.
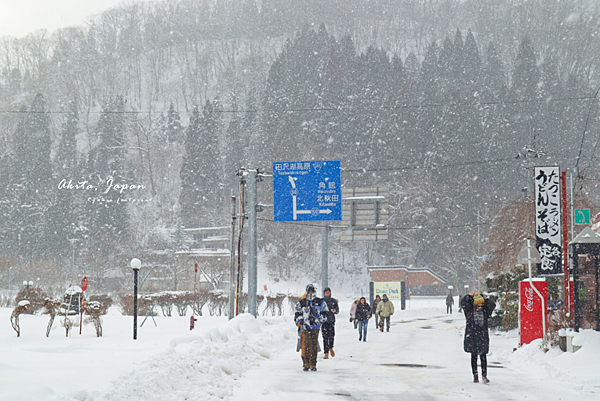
(321, 109)
(441, 227)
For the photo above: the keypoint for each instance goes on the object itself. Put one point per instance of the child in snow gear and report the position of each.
(375, 303)
(309, 317)
(385, 309)
(363, 314)
(328, 327)
(449, 303)
(478, 310)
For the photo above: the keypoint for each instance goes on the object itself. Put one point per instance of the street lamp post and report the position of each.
(135, 265)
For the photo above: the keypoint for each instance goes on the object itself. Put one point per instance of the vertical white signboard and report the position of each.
(548, 220)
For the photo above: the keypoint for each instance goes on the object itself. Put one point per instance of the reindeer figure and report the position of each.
(293, 300)
(271, 301)
(50, 306)
(279, 297)
(22, 307)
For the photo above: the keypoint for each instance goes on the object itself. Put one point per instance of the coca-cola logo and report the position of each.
(529, 299)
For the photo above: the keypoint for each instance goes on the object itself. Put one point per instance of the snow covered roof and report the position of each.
(586, 236)
(203, 229)
(74, 289)
(205, 252)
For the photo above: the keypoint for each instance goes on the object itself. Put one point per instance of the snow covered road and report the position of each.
(421, 358)
(246, 359)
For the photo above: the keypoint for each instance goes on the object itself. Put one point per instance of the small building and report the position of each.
(419, 280)
(210, 250)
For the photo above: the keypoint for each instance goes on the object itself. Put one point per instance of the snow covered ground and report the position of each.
(421, 358)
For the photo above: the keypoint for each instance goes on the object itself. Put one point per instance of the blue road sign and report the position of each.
(307, 191)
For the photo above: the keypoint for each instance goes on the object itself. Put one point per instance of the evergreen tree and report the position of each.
(108, 219)
(31, 180)
(174, 126)
(191, 173)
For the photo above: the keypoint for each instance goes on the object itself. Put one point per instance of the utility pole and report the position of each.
(252, 245)
(240, 242)
(232, 276)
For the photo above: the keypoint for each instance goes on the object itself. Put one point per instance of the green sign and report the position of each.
(582, 216)
(391, 289)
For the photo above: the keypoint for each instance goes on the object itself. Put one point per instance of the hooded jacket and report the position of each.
(385, 307)
(309, 313)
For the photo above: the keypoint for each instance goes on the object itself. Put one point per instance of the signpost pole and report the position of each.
(324, 257)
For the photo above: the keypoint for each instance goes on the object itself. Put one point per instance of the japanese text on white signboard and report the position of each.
(548, 220)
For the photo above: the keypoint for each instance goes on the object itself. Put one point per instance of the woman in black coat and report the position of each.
(363, 314)
(478, 310)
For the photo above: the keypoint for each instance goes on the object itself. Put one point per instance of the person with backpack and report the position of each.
(477, 310)
(328, 327)
(385, 310)
(309, 316)
(363, 314)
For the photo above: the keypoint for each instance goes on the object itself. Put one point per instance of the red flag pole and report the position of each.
(195, 283)
(565, 233)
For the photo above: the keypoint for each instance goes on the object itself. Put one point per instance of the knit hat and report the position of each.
(478, 299)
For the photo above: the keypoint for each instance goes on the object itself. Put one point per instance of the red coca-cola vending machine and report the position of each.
(530, 310)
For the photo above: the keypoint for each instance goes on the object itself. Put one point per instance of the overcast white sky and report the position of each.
(20, 17)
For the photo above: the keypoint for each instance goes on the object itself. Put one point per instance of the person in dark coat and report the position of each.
(328, 327)
(449, 303)
(477, 310)
(309, 317)
(363, 314)
(374, 309)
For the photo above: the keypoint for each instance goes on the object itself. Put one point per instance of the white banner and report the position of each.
(548, 220)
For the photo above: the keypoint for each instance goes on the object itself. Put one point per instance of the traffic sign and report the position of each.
(84, 283)
(307, 191)
(582, 216)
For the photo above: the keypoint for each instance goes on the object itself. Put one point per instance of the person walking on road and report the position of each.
(449, 303)
(363, 314)
(477, 310)
(353, 313)
(375, 303)
(309, 317)
(328, 328)
(385, 310)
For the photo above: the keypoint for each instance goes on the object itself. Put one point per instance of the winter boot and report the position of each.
(381, 329)
(326, 355)
(475, 378)
(484, 379)
(331, 352)
(313, 368)
(388, 329)
(305, 368)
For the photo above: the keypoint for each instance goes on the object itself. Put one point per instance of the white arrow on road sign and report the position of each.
(296, 212)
